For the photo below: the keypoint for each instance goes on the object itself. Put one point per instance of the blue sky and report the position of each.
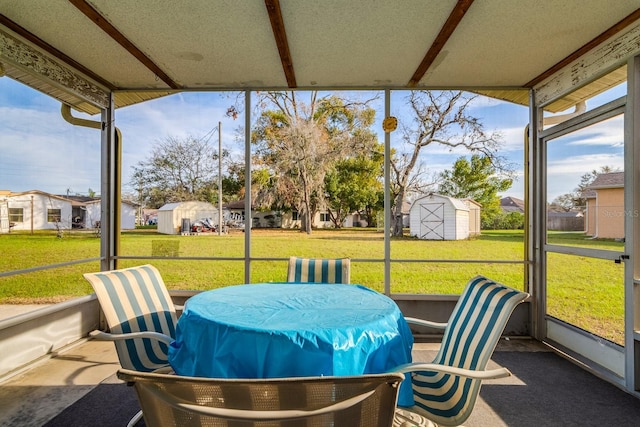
(40, 150)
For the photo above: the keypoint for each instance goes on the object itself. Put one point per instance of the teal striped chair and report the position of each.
(445, 391)
(140, 315)
(319, 270)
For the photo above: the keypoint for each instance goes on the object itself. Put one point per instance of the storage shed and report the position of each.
(475, 224)
(170, 216)
(437, 217)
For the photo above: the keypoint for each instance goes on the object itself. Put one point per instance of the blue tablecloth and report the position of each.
(276, 330)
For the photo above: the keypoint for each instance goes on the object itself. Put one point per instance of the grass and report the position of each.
(583, 291)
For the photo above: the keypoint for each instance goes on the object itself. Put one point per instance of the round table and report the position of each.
(273, 330)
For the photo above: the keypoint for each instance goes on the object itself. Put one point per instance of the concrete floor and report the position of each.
(35, 396)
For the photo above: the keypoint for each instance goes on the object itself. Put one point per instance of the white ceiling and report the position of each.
(230, 44)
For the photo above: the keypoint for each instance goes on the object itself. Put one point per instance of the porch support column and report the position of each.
(535, 213)
(387, 197)
(632, 227)
(247, 186)
(110, 189)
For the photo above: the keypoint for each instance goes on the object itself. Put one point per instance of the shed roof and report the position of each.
(458, 204)
(186, 205)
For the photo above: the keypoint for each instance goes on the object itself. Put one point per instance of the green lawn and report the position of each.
(583, 291)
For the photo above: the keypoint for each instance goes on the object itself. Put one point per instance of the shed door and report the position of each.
(432, 221)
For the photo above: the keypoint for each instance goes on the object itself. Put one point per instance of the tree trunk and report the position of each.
(396, 217)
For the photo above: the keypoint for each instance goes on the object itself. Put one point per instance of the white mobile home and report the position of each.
(37, 210)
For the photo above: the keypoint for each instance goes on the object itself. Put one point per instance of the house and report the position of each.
(35, 210)
(38, 210)
(438, 217)
(288, 219)
(512, 204)
(605, 206)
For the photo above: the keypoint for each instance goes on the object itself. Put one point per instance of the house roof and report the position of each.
(512, 204)
(79, 51)
(39, 192)
(608, 180)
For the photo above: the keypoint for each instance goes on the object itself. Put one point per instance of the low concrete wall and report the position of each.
(438, 308)
(28, 337)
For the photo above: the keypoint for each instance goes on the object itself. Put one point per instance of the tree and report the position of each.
(577, 198)
(353, 185)
(177, 170)
(439, 117)
(478, 180)
(298, 142)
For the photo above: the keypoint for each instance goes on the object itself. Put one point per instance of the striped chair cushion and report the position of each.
(133, 300)
(471, 335)
(319, 270)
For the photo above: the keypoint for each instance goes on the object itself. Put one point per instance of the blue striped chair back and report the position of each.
(134, 300)
(471, 335)
(319, 270)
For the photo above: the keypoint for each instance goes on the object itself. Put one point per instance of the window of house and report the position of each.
(53, 215)
(294, 215)
(324, 217)
(16, 215)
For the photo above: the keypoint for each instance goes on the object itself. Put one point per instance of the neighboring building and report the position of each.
(37, 210)
(605, 206)
(290, 219)
(512, 204)
(437, 217)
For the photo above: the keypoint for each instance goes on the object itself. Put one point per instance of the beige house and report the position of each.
(604, 211)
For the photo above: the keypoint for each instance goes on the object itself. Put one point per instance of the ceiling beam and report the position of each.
(616, 28)
(447, 30)
(116, 35)
(37, 41)
(279, 33)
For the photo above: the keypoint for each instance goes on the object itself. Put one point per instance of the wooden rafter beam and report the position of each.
(116, 35)
(616, 28)
(447, 30)
(279, 33)
(37, 41)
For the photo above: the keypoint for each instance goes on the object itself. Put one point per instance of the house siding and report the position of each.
(610, 213)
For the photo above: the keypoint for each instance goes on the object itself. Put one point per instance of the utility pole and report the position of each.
(220, 222)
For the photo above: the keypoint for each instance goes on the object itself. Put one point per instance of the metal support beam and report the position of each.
(109, 192)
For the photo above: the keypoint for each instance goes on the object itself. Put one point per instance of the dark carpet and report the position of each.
(549, 391)
(556, 392)
(109, 404)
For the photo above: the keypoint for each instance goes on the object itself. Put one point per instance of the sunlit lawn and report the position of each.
(583, 291)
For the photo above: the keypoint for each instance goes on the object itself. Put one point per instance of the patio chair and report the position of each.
(173, 400)
(445, 391)
(140, 315)
(319, 270)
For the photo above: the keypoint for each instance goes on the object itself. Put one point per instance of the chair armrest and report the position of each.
(104, 336)
(428, 323)
(434, 367)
